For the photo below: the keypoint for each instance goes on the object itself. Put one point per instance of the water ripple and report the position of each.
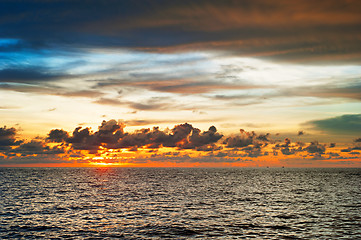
(135, 203)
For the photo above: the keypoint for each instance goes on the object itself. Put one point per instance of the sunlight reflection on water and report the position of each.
(141, 203)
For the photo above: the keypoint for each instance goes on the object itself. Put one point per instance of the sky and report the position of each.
(180, 83)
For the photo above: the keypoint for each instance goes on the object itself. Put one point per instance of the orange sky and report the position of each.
(181, 83)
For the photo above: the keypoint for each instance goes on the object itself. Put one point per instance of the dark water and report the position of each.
(131, 203)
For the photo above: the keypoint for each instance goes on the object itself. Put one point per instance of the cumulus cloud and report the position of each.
(288, 148)
(7, 138)
(199, 139)
(57, 135)
(315, 147)
(250, 143)
(184, 143)
(183, 136)
(111, 135)
(108, 134)
(245, 139)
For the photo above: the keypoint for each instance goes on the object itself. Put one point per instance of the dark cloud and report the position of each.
(250, 143)
(107, 135)
(245, 139)
(199, 139)
(345, 124)
(183, 136)
(109, 101)
(287, 151)
(7, 138)
(264, 137)
(356, 145)
(288, 148)
(57, 135)
(303, 30)
(346, 150)
(315, 147)
(36, 147)
(48, 89)
(111, 135)
(355, 153)
(27, 75)
(253, 151)
(30, 159)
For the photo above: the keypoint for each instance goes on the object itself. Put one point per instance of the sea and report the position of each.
(180, 203)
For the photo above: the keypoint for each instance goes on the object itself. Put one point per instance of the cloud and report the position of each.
(35, 148)
(199, 139)
(151, 104)
(346, 124)
(81, 93)
(183, 142)
(349, 89)
(57, 135)
(200, 83)
(315, 147)
(7, 138)
(288, 148)
(183, 136)
(356, 146)
(49, 89)
(27, 75)
(108, 134)
(245, 139)
(299, 31)
(111, 135)
(29, 159)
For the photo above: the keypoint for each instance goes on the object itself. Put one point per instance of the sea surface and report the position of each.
(180, 203)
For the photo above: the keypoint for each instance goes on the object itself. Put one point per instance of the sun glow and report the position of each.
(110, 164)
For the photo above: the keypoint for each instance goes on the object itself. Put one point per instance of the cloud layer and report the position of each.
(345, 124)
(181, 143)
(294, 31)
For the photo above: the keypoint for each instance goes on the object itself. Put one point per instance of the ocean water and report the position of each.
(179, 203)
